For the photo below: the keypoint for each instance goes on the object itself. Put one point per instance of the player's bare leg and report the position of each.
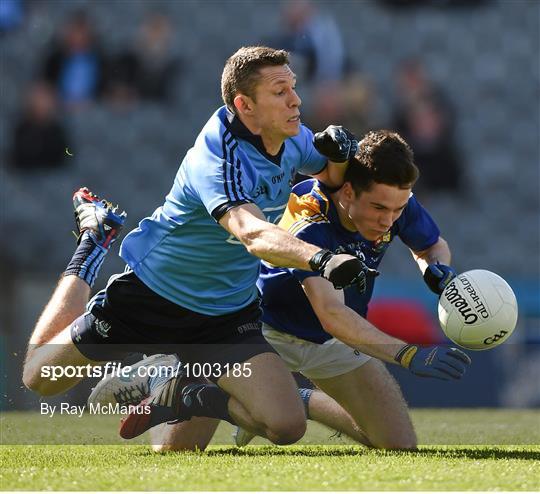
(192, 435)
(373, 399)
(196, 433)
(58, 352)
(267, 402)
(327, 411)
(68, 302)
(324, 410)
(188, 435)
(98, 225)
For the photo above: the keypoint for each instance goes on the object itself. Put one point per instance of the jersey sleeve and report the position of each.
(416, 227)
(218, 177)
(311, 162)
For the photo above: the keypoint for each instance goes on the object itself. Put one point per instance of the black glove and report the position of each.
(336, 143)
(437, 276)
(342, 270)
(433, 361)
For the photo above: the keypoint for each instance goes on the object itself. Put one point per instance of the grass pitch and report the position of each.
(502, 453)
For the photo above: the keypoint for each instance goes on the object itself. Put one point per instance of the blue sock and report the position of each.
(305, 394)
(194, 400)
(205, 400)
(87, 259)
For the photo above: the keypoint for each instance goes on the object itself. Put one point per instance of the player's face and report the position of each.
(372, 213)
(276, 104)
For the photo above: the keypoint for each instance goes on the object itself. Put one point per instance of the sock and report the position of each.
(305, 394)
(205, 400)
(87, 259)
(197, 400)
(162, 414)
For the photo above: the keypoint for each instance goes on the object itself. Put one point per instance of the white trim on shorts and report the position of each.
(315, 361)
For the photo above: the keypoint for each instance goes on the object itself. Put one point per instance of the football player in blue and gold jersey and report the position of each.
(323, 333)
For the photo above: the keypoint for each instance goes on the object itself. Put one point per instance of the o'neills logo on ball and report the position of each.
(479, 306)
(470, 314)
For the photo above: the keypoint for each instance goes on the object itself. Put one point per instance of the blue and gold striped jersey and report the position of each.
(312, 216)
(181, 252)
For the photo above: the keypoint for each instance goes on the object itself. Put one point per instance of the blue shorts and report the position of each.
(129, 317)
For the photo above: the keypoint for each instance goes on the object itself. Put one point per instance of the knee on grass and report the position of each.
(403, 442)
(286, 431)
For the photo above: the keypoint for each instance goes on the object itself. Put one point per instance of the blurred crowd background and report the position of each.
(111, 93)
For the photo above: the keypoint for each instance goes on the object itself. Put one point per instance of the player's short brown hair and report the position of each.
(383, 157)
(241, 71)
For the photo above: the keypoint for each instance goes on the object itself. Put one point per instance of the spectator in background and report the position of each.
(39, 139)
(425, 118)
(316, 45)
(148, 71)
(316, 38)
(350, 101)
(11, 15)
(75, 65)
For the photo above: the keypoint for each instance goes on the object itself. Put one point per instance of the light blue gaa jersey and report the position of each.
(181, 252)
(312, 216)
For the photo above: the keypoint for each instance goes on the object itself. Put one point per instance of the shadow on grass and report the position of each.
(484, 453)
(268, 451)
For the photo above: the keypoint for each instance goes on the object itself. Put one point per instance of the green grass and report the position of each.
(502, 453)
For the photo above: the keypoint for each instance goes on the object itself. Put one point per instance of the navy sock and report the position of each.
(305, 394)
(87, 259)
(198, 400)
(205, 400)
(162, 414)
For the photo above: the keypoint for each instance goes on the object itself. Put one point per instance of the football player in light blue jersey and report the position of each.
(322, 332)
(227, 167)
(190, 287)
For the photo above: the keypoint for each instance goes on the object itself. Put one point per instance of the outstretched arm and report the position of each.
(266, 240)
(345, 324)
(348, 326)
(278, 247)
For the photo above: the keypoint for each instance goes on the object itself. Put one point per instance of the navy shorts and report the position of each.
(128, 317)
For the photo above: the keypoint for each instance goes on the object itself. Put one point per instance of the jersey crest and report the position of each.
(382, 242)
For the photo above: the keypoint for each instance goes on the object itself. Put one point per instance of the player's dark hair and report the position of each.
(383, 157)
(241, 71)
